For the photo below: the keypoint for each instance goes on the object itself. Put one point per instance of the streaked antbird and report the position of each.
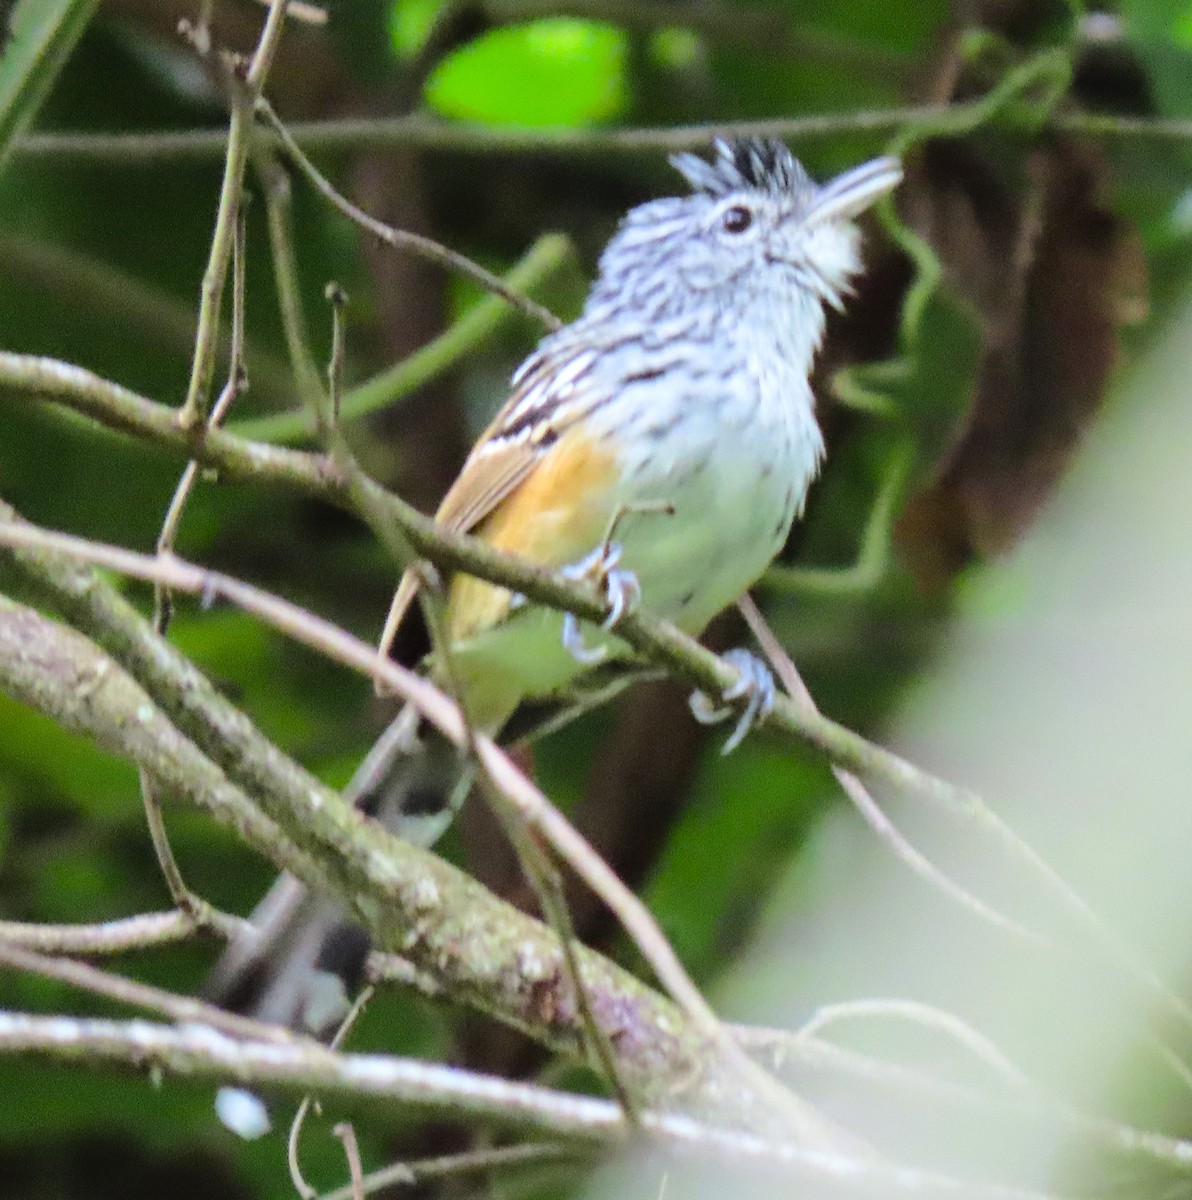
(661, 446)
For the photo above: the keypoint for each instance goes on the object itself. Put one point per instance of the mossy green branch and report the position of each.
(146, 702)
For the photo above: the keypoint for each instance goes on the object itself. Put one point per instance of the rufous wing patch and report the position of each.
(556, 515)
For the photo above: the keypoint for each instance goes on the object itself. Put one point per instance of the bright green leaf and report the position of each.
(557, 72)
(44, 34)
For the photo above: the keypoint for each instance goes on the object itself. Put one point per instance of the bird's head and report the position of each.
(756, 228)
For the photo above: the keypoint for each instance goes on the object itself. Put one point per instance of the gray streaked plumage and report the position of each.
(689, 365)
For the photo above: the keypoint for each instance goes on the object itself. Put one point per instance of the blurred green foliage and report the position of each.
(72, 835)
(560, 72)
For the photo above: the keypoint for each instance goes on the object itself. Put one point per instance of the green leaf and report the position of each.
(44, 34)
(556, 72)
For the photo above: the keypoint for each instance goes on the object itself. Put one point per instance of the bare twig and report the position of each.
(140, 995)
(548, 887)
(347, 1135)
(235, 386)
(301, 10)
(294, 1139)
(402, 239)
(243, 91)
(317, 401)
(429, 133)
(111, 937)
(202, 1053)
(469, 1162)
(930, 1017)
(186, 900)
(544, 259)
(1030, 1105)
(534, 860)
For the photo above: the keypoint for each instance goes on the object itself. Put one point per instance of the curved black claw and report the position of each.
(617, 584)
(754, 684)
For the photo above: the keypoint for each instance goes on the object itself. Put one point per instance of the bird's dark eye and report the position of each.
(737, 219)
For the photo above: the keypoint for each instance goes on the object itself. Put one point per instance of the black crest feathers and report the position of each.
(759, 164)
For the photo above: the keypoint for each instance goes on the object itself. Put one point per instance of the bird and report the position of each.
(659, 447)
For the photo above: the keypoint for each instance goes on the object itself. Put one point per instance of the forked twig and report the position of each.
(293, 1140)
(245, 85)
(180, 892)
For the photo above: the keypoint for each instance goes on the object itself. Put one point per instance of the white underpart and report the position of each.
(731, 443)
(736, 463)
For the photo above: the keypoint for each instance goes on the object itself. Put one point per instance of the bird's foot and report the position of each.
(619, 587)
(754, 685)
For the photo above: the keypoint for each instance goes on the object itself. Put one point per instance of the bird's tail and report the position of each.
(302, 957)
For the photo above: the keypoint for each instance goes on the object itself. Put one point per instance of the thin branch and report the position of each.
(429, 133)
(111, 937)
(474, 329)
(402, 239)
(930, 1017)
(317, 401)
(243, 93)
(535, 862)
(410, 1174)
(347, 1135)
(184, 898)
(237, 383)
(200, 1053)
(294, 1137)
(1031, 1106)
(548, 887)
(275, 181)
(141, 995)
